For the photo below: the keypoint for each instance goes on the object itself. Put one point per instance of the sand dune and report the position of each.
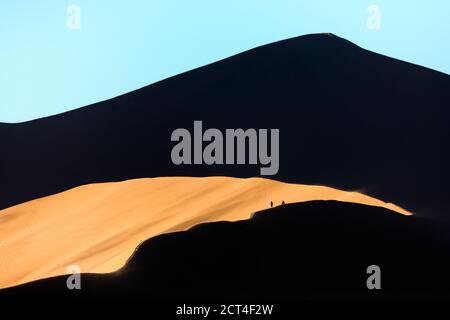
(98, 226)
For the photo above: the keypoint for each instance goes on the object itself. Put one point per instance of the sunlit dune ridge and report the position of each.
(98, 226)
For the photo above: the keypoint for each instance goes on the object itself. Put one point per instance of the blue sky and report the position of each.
(47, 68)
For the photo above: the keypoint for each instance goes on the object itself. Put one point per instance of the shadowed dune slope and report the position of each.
(348, 118)
(310, 250)
(98, 226)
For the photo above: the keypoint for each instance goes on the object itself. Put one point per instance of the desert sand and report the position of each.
(99, 226)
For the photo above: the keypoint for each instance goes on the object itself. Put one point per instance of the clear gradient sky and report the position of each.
(46, 68)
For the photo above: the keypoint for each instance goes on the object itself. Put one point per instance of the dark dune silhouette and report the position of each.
(311, 250)
(348, 118)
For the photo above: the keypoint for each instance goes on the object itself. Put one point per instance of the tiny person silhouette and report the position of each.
(271, 204)
(283, 202)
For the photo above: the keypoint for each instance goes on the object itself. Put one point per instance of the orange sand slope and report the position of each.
(98, 226)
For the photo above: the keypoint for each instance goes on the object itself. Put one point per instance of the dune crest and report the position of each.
(98, 226)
